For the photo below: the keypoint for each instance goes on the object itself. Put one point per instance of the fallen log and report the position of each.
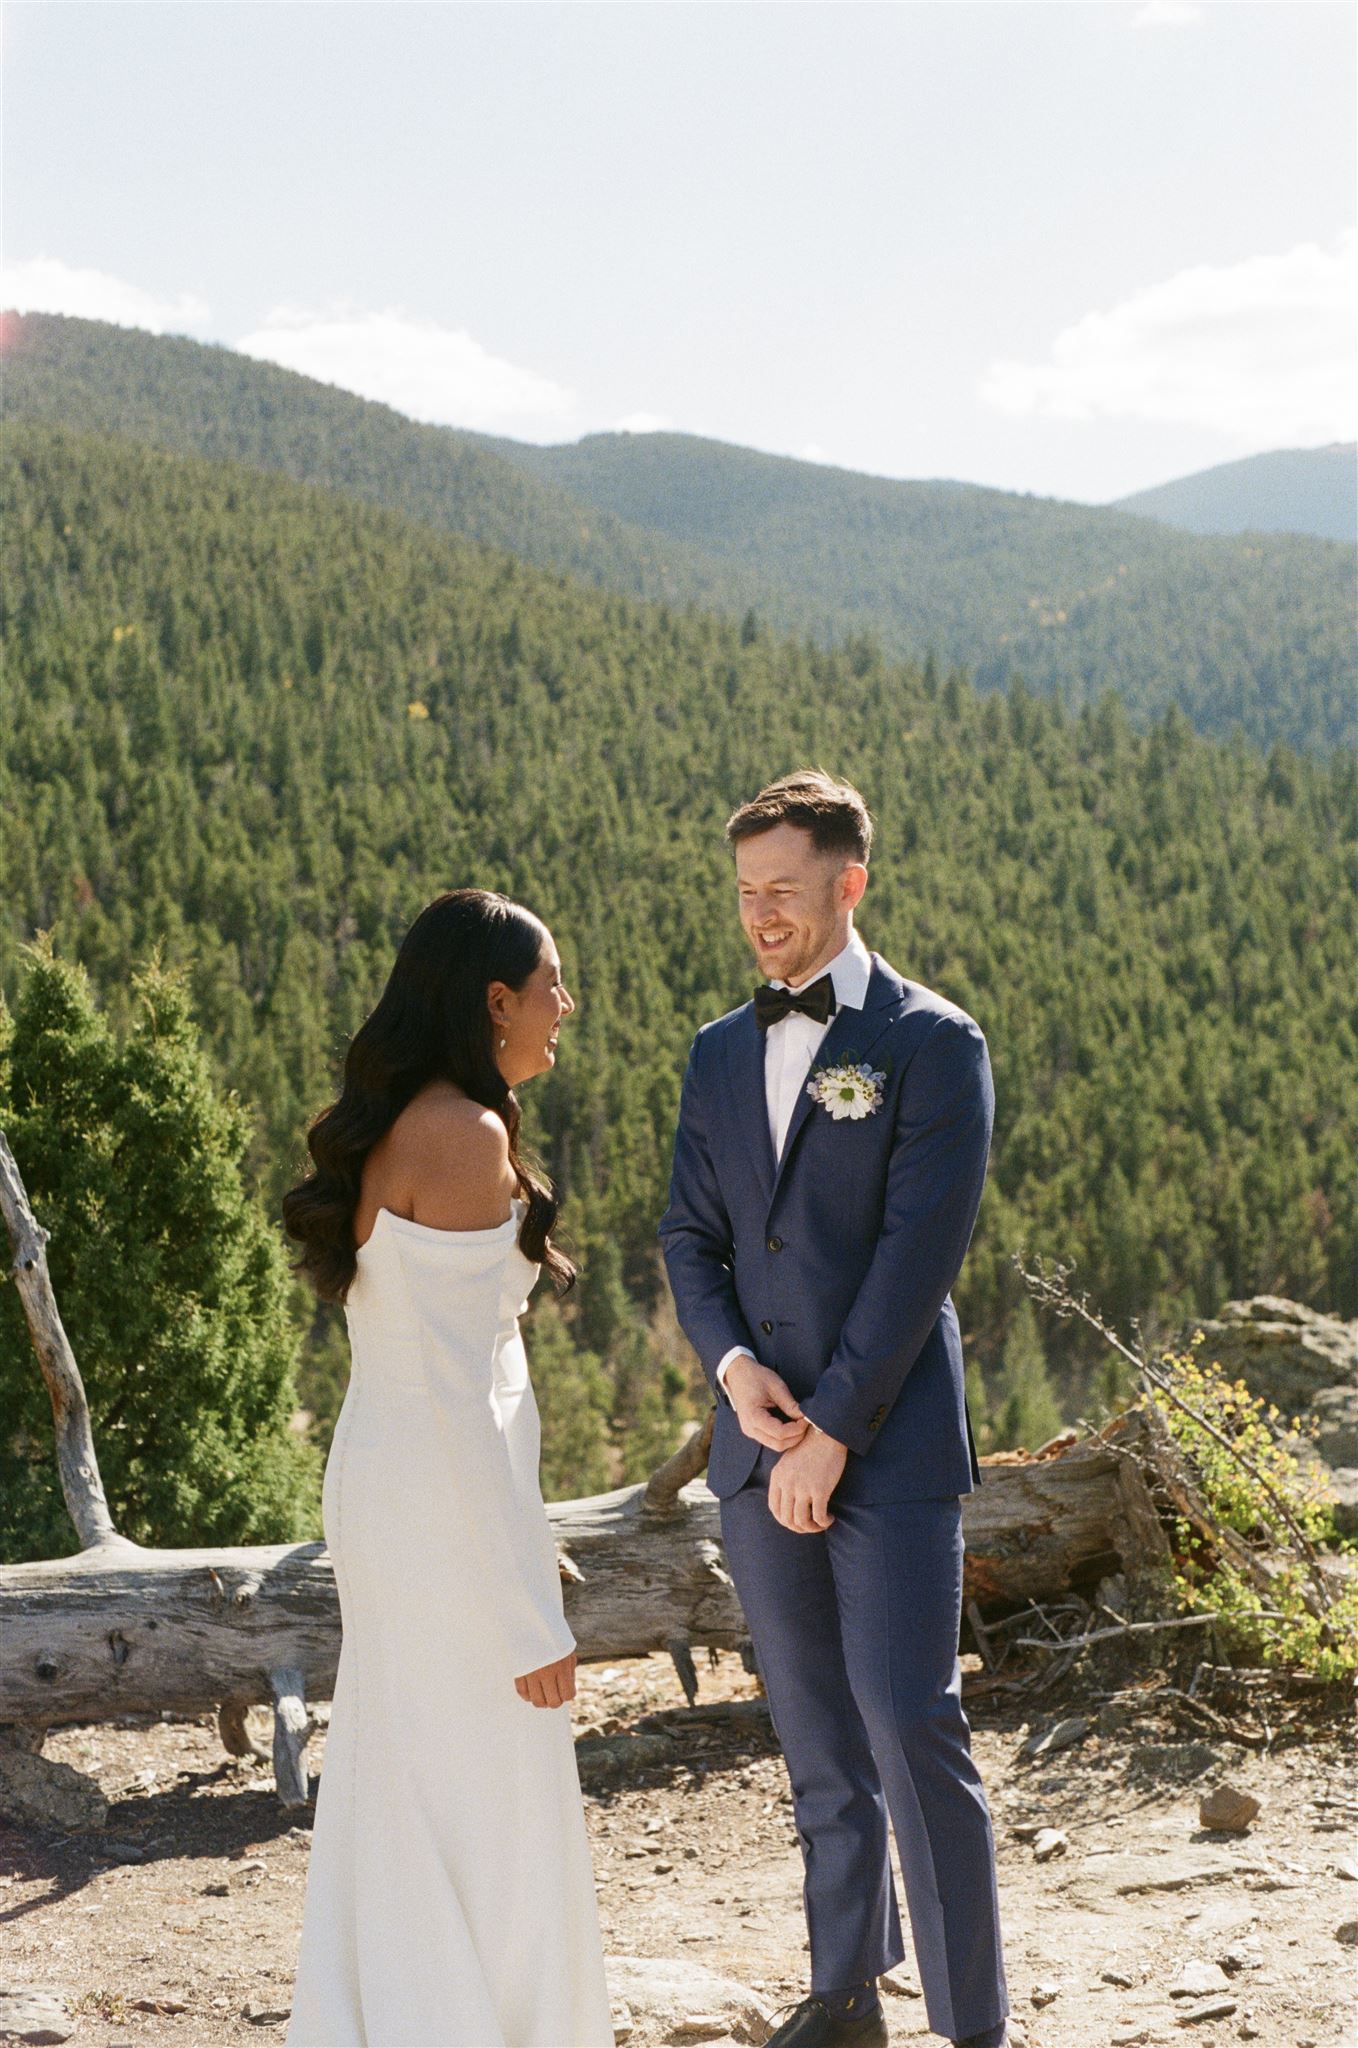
(107, 1632)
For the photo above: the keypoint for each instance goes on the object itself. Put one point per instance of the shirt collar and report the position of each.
(850, 972)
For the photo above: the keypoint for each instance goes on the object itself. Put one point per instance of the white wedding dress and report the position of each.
(450, 1899)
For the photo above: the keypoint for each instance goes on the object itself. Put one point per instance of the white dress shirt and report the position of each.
(790, 1046)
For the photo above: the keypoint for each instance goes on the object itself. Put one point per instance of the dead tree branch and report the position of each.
(1050, 1287)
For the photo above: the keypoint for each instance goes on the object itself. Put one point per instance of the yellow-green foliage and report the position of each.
(1278, 1627)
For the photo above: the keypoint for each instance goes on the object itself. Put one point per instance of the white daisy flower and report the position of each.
(853, 1090)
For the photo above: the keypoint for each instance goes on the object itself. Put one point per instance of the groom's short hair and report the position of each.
(831, 811)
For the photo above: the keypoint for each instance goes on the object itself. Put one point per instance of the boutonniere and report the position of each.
(850, 1089)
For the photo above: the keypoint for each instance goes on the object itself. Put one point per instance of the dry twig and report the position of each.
(1052, 1290)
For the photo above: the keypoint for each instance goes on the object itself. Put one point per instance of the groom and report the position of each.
(829, 1161)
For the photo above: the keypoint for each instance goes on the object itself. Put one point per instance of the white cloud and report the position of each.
(644, 423)
(1166, 14)
(432, 373)
(813, 452)
(46, 285)
(1261, 350)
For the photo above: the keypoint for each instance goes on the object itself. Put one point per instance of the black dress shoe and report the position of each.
(813, 2026)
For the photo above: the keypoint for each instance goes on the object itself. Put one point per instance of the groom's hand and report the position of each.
(757, 1393)
(802, 1481)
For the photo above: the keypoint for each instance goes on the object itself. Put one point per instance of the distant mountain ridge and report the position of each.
(1076, 599)
(1287, 490)
(1253, 631)
(191, 397)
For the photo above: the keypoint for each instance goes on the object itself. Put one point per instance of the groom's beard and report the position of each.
(794, 962)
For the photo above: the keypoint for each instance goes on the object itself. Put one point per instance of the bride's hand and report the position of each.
(551, 1685)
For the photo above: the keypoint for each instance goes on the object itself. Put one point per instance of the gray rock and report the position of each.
(1284, 1352)
(898, 1983)
(1049, 1842)
(1343, 1488)
(1060, 1736)
(115, 1850)
(38, 1792)
(1112, 1592)
(1128, 1873)
(1347, 1932)
(1336, 1414)
(664, 1994)
(603, 1758)
(1174, 1763)
(34, 2017)
(1199, 1980)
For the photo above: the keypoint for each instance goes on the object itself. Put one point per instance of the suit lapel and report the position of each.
(851, 1031)
(745, 1070)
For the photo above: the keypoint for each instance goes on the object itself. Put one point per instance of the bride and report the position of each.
(450, 1900)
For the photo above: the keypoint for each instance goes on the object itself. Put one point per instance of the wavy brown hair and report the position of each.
(431, 1023)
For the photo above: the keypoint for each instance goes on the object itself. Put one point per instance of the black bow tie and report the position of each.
(818, 1002)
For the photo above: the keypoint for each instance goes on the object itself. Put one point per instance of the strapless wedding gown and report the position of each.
(450, 1898)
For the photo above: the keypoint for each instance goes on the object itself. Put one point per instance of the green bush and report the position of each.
(1280, 1626)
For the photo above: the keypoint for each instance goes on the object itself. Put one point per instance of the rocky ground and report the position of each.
(1127, 1921)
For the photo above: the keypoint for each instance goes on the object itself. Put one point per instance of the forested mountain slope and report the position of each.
(1286, 490)
(183, 395)
(1077, 599)
(261, 725)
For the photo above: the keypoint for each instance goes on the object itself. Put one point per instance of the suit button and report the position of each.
(775, 1244)
(767, 1328)
(876, 1420)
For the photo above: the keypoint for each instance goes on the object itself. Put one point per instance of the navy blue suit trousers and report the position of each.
(855, 1632)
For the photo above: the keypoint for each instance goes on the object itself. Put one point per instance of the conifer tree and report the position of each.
(1026, 1409)
(573, 1401)
(172, 1285)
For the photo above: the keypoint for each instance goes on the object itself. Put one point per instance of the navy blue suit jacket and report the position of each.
(834, 1265)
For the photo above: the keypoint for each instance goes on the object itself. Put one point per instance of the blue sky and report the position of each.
(1074, 247)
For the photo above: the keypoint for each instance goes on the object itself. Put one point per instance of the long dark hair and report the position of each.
(431, 1023)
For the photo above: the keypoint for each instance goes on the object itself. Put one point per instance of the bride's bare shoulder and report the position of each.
(445, 1162)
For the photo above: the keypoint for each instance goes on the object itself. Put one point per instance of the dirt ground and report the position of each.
(178, 1922)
